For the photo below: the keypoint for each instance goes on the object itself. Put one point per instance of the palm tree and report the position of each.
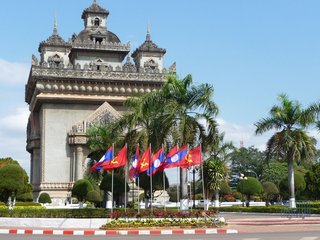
(290, 141)
(215, 168)
(173, 114)
(183, 106)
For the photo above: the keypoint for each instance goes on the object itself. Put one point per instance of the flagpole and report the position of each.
(178, 186)
(125, 184)
(112, 191)
(189, 182)
(112, 181)
(139, 194)
(138, 182)
(150, 167)
(164, 189)
(202, 175)
(164, 182)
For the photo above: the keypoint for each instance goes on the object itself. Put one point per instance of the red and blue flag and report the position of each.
(133, 170)
(174, 157)
(108, 156)
(157, 162)
(119, 161)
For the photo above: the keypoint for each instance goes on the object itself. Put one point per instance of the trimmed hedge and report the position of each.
(39, 212)
(27, 204)
(270, 209)
(31, 212)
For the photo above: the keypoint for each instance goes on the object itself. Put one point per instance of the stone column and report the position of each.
(78, 162)
(37, 167)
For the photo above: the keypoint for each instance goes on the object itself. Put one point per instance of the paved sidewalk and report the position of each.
(254, 223)
(236, 223)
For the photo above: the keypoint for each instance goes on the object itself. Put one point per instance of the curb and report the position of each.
(116, 232)
(292, 221)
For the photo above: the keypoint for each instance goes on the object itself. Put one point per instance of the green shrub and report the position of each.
(27, 204)
(81, 188)
(25, 197)
(44, 198)
(94, 196)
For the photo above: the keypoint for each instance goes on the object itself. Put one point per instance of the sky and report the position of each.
(250, 51)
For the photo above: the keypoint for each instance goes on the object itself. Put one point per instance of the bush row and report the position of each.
(32, 212)
(39, 212)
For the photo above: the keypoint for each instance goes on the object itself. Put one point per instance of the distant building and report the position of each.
(75, 84)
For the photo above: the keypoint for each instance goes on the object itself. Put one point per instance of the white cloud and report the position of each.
(17, 121)
(13, 137)
(13, 73)
(245, 133)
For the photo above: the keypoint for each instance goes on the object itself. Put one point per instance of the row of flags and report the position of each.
(177, 157)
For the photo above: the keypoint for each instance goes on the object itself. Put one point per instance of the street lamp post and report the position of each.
(242, 177)
(251, 171)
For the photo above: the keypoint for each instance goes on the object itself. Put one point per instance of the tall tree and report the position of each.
(173, 114)
(215, 168)
(291, 140)
(248, 161)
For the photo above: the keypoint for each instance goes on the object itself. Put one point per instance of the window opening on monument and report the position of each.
(151, 64)
(99, 40)
(96, 22)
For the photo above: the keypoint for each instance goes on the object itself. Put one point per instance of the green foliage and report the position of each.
(270, 191)
(9, 185)
(274, 172)
(44, 198)
(249, 187)
(248, 161)
(6, 161)
(172, 192)
(157, 183)
(215, 171)
(27, 204)
(225, 188)
(101, 137)
(312, 179)
(237, 195)
(94, 196)
(81, 188)
(25, 197)
(118, 185)
(299, 185)
(291, 141)
(11, 181)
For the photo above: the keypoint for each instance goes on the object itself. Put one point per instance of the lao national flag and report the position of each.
(174, 160)
(144, 162)
(192, 158)
(119, 161)
(157, 161)
(133, 170)
(105, 158)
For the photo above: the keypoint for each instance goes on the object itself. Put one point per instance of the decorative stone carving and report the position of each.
(34, 61)
(103, 115)
(109, 89)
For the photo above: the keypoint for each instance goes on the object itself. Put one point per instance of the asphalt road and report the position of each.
(314, 235)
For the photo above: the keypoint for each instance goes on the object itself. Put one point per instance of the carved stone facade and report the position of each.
(78, 83)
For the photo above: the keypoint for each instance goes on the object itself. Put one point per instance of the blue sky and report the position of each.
(249, 50)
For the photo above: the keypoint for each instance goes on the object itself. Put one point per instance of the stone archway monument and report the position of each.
(75, 84)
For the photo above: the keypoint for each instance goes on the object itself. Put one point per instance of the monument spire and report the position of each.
(148, 32)
(55, 28)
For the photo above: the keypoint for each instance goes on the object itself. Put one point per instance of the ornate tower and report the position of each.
(75, 84)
